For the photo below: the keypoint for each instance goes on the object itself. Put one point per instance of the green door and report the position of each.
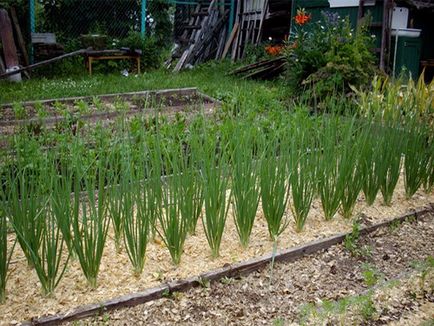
(408, 56)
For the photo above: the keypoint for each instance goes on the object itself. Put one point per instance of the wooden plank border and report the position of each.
(238, 269)
(161, 92)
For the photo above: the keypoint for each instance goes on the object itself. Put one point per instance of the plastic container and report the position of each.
(15, 77)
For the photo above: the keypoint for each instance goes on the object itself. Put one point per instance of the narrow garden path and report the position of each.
(386, 277)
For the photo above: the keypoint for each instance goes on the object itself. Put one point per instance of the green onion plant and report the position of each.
(275, 186)
(350, 167)
(245, 183)
(416, 156)
(90, 223)
(302, 172)
(390, 168)
(173, 227)
(330, 181)
(213, 162)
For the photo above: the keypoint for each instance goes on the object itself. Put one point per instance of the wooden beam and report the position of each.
(7, 38)
(2, 65)
(43, 63)
(20, 38)
(230, 40)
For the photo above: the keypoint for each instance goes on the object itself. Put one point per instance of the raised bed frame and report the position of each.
(235, 270)
(158, 95)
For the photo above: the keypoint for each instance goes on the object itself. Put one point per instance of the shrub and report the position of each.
(150, 47)
(328, 55)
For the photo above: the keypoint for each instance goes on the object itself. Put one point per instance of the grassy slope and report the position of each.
(211, 79)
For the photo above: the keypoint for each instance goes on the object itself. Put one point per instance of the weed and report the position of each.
(204, 282)
(371, 275)
(227, 280)
(351, 240)
(19, 111)
(278, 322)
(41, 110)
(367, 307)
(166, 293)
(395, 225)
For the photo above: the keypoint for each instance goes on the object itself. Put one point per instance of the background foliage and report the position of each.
(328, 56)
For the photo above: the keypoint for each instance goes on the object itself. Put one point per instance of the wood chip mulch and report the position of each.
(280, 296)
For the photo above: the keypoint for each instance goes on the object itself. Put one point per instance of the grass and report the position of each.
(210, 78)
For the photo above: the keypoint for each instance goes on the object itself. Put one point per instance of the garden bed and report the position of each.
(104, 107)
(25, 300)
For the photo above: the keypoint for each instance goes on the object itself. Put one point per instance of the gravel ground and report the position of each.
(378, 285)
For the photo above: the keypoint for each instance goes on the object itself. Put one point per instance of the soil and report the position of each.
(188, 102)
(136, 102)
(303, 292)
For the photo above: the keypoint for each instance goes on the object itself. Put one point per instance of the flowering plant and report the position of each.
(274, 50)
(328, 55)
(302, 17)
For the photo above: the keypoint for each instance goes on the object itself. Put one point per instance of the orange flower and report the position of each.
(274, 50)
(302, 17)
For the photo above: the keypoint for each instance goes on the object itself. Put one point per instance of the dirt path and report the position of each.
(380, 283)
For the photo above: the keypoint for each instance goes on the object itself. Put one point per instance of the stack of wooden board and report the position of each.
(265, 69)
(204, 35)
(251, 16)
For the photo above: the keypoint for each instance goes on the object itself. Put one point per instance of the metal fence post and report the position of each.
(32, 25)
(143, 22)
(231, 16)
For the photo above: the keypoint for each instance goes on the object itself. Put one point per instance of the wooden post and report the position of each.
(385, 31)
(20, 38)
(7, 38)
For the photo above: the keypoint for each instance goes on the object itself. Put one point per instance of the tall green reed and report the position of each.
(119, 186)
(48, 261)
(191, 190)
(137, 207)
(61, 203)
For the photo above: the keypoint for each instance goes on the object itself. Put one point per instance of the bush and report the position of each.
(328, 56)
(152, 51)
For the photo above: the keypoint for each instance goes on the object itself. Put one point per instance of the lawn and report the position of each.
(212, 79)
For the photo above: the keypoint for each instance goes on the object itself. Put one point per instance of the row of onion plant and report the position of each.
(143, 185)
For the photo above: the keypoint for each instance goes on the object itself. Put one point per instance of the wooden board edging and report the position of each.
(238, 269)
(170, 91)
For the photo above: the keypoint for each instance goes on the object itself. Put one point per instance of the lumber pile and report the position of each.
(251, 16)
(265, 69)
(204, 35)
